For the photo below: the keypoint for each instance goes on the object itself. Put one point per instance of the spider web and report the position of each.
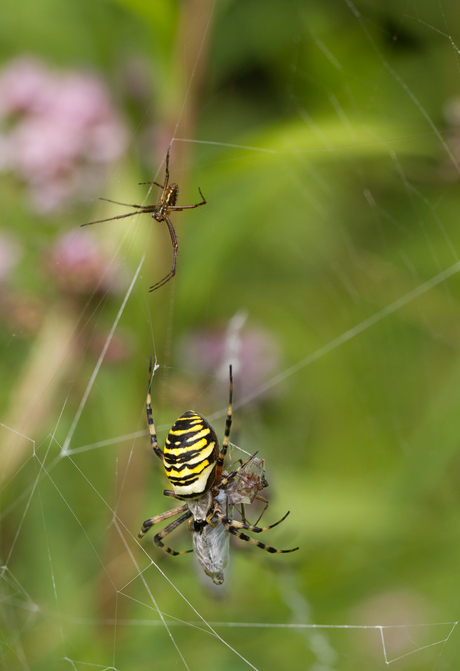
(376, 519)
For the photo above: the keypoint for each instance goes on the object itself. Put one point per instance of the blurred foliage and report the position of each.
(330, 169)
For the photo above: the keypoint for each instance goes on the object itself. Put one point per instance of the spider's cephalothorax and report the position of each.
(193, 463)
(159, 212)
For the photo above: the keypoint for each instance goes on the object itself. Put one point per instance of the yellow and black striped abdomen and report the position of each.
(190, 455)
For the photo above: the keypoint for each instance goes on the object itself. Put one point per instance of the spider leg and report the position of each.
(248, 527)
(232, 527)
(116, 202)
(153, 435)
(264, 500)
(242, 512)
(119, 216)
(175, 245)
(178, 208)
(156, 184)
(167, 167)
(228, 426)
(167, 530)
(169, 492)
(160, 518)
(221, 483)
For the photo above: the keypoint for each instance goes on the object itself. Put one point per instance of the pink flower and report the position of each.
(63, 132)
(81, 265)
(253, 353)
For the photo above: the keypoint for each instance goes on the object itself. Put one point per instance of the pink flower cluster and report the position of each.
(252, 351)
(81, 265)
(60, 132)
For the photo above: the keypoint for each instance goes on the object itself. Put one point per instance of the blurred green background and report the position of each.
(325, 137)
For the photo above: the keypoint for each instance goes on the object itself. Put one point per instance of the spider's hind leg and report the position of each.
(158, 539)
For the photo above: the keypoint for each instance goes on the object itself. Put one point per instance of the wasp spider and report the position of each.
(194, 463)
(160, 212)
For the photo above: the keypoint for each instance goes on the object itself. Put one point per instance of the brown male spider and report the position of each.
(160, 212)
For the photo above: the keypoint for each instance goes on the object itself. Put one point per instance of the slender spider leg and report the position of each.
(165, 185)
(223, 482)
(263, 500)
(242, 512)
(119, 216)
(148, 524)
(167, 530)
(248, 527)
(153, 435)
(179, 208)
(228, 426)
(156, 184)
(117, 202)
(175, 245)
(232, 527)
(166, 182)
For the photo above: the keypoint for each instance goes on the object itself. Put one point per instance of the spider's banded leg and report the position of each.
(148, 524)
(175, 245)
(167, 530)
(153, 435)
(178, 208)
(232, 527)
(119, 216)
(228, 426)
(268, 548)
(249, 527)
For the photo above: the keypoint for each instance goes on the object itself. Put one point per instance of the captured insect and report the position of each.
(211, 545)
(160, 212)
(193, 462)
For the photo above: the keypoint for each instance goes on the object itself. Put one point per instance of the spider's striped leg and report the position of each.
(228, 426)
(232, 527)
(167, 530)
(249, 527)
(153, 435)
(148, 524)
(175, 245)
